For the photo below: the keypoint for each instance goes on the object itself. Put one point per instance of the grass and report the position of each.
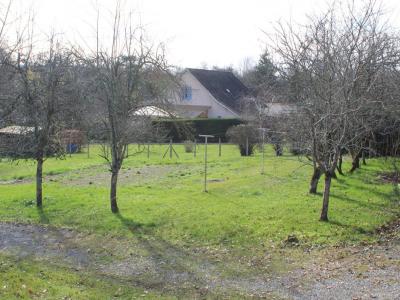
(23, 169)
(29, 279)
(243, 209)
(164, 213)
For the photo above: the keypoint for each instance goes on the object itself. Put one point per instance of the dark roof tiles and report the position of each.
(223, 85)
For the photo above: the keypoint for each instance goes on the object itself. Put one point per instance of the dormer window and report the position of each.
(187, 93)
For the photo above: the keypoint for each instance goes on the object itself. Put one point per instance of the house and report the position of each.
(210, 94)
(16, 130)
(16, 140)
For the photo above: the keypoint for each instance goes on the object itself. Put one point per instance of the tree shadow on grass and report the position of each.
(366, 187)
(135, 227)
(370, 205)
(341, 181)
(44, 219)
(175, 266)
(358, 229)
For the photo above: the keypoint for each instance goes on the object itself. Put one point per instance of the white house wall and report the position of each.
(202, 97)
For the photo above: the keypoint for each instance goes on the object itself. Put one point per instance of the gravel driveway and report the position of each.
(370, 272)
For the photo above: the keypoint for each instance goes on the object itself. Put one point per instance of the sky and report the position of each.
(196, 33)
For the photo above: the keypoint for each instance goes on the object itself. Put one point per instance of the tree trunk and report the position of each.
(278, 149)
(325, 202)
(364, 160)
(39, 181)
(113, 191)
(371, 148)
(314, 180)
(339, 166)
(356, 162)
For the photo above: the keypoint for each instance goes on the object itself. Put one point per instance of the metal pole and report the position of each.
(170, 148)
(262, 149)
(148, 151)
(70, 144)
(219, 142)
(205, 165)
(263, 156)
(127, 150)
(88, 146)
(247, 146)
(195, 147)
(205, 159)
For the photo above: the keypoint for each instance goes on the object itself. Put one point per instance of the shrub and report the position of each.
(188, 146)
(240, 135)
(298, 148)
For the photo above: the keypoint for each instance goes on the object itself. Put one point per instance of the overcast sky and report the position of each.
(196, 32)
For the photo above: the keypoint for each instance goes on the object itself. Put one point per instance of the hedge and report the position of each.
(188, 129)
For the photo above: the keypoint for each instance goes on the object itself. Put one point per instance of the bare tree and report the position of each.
(126, 76)
(332, 65)
(8, 94)
(43, 82)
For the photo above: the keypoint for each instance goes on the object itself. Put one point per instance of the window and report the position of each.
(187, 93)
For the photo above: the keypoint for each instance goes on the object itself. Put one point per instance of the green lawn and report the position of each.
(29, 279)
(163, 199)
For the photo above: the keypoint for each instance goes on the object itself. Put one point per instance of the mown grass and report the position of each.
(243, 209)
(30, 279)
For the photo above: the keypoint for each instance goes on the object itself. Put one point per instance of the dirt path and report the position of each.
(98, 175)
(147, 263)
(351, 273)
(359, 273)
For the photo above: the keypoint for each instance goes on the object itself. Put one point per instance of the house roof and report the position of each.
(224, 86)
(17, 130)
(152, 111)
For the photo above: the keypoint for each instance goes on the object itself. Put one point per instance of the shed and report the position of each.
(72, 140)
(16, 140)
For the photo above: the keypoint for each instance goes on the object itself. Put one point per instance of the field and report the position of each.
(243, 216)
